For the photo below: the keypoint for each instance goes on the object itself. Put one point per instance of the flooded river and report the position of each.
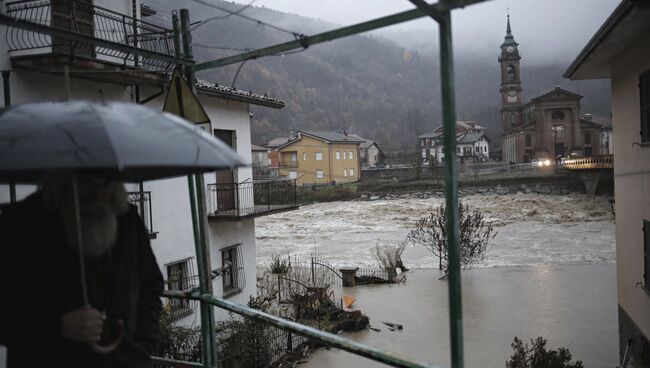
(550, 271)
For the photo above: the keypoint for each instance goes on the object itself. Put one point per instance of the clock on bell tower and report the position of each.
(510, 89)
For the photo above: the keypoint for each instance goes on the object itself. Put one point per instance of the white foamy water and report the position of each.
(532, 229)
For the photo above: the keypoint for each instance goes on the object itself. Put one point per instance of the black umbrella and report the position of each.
(127, 142)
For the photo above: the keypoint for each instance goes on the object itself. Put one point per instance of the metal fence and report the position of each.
(249, 198)
(82, 17)
(254, 344)
(142, 200)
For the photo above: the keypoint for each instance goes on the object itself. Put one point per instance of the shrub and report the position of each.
(536, 356)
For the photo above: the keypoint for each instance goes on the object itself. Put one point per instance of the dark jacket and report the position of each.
(40, 274)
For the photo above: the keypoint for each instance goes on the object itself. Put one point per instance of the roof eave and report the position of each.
(235, 97)
(574, 71)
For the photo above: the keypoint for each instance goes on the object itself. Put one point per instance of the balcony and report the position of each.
(289, 164)
(238, 201)
(94, 42)
(142, 201)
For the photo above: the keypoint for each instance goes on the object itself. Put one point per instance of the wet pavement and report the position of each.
(572, 306)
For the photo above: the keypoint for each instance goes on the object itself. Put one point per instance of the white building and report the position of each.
(620, 51)
(472, 143)
(104, 74)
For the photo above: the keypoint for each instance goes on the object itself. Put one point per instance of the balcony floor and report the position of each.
(248, 213)
(87, 68)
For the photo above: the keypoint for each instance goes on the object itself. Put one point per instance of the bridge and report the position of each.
(591, 170)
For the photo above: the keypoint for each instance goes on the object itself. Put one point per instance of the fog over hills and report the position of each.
(381, 86)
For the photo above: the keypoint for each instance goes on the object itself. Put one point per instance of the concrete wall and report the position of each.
(632, 182)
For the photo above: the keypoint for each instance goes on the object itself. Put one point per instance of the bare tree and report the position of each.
(475, 233)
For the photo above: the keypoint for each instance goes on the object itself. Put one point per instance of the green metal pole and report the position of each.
(7, 92)
(451, 190)
(199, 218)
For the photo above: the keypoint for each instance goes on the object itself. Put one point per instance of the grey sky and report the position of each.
(545, 29)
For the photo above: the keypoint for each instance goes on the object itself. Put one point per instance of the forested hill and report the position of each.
(364, 84)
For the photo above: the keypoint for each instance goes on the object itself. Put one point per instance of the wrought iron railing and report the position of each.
(181, 278)
(80, 16)
(250, 198)
(143, 202)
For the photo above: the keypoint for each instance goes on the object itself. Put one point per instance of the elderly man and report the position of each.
(44, 320)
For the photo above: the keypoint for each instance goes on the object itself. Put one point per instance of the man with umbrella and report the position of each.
(82, 285)
(119, 327)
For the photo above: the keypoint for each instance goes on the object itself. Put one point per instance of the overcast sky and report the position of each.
(545, 29)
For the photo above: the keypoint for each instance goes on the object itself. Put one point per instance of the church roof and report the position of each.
(557, 94)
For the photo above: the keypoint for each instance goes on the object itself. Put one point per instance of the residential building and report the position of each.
(472, 143)
(261, 161)
(313, 157)
(620, 51)
(99, 73)
(549, 125)
(370, 152)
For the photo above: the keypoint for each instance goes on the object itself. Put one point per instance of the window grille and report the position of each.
(234, 279)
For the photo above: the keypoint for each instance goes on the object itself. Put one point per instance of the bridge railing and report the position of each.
(595, 162)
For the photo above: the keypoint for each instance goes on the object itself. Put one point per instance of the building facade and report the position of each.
(548, 126)
(472, 143)
(370, 152)
(320, 158)
(101, 74)
(620, 51)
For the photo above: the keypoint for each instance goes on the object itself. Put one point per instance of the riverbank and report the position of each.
(573, 306)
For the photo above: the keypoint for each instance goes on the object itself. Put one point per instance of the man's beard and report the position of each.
(98, 228)
(99, 220)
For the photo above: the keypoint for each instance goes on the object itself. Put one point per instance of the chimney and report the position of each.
(588, 116)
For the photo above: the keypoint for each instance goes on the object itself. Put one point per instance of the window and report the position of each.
(510, 69)
(646, 254)
(233, 276)
(180, 277)
(345, 172)
(459, 150)
(304, 156)
(350, 155)
(319, 173)
(351, 172)
(587, 138)
(529, 140)
(338, 155)
(319, 156)
(294, 156)
(293, 174)
(644, 94)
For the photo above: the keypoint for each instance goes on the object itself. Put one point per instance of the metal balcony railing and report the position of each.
(251, 198)
(595, 162)
(143, 203)
(82, 17)
(289, 164)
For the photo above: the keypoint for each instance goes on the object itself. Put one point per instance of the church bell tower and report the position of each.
(511, 100)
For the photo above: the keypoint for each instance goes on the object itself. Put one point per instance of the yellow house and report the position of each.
(320, 158)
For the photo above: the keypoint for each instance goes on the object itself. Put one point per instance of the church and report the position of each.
(548, 126)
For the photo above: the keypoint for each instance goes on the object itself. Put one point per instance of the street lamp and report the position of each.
(556, 128)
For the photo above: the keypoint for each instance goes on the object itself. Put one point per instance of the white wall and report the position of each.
(170, 197)
(632, 182)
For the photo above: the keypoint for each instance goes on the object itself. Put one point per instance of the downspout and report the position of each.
(6, 86)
